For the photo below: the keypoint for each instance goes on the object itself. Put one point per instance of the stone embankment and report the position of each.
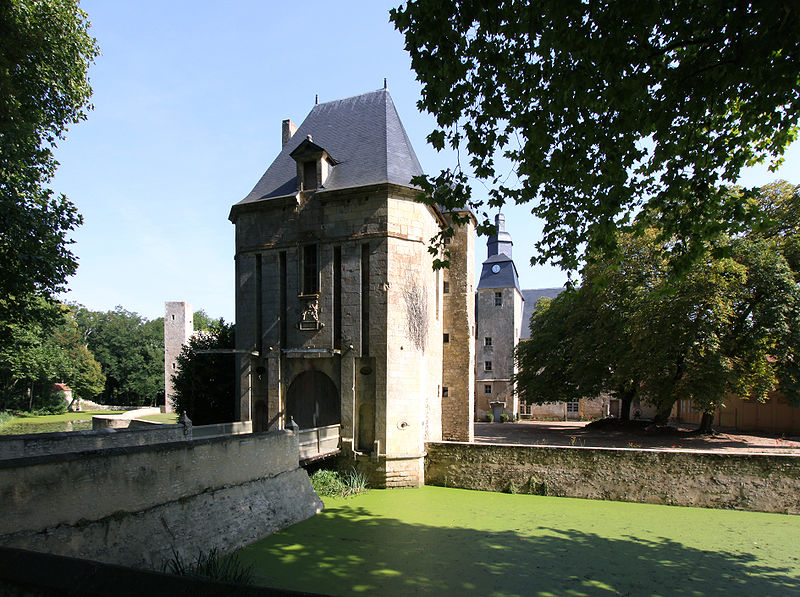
(764, 482)
(134, 505)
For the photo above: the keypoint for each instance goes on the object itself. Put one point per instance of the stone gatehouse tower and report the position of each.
(340, 317)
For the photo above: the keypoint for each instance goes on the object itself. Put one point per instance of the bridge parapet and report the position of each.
(319, 442)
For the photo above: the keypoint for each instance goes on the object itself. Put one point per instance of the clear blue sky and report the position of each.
(189, 97)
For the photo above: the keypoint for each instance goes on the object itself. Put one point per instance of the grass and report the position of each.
(212, 566)
(5, 417)
(439, 541)
(162, 418)
(70, 421)
(329, 483)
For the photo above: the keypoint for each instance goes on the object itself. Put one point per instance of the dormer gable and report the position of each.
(314, 165)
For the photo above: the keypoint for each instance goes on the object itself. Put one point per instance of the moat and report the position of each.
(441, 541)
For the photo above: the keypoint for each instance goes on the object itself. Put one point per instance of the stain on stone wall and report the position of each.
(416, 300)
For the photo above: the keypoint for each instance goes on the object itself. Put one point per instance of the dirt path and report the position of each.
(575, 433)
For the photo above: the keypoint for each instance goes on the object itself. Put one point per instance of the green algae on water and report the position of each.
(439, 541)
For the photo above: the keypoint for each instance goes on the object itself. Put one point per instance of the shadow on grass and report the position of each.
(350, 551)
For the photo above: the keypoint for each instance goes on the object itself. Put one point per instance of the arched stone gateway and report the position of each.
(313, 400)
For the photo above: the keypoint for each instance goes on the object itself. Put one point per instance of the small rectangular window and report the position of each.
(445, 338)
(487, 365)
(487, 341)
(572, 406)
(487, 388)
(310, 270)
(498, 299)
(445, 391)
(446, 287)
(309, 176)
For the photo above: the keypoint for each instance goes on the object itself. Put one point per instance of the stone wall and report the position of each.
(40, 444)
(501, 324)
(757, 482)
(458, 353)
(178, 328)
(133, 506)
(29, 574)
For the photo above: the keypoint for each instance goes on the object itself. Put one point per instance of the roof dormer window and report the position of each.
(309, 176)
(314, 165)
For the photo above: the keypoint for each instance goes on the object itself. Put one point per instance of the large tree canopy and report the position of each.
(45, 52)
(131, 351)
(205, 382)
(729, 325)
(615, 117)
(39, 356)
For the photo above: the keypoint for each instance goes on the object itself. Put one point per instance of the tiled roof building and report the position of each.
(339, 316)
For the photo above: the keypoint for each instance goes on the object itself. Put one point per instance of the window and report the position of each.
(572, 406)
(498, 299)
(310, 270)
(487, 365)
(309, 176)
(487, 341)
(445, 287)
(445, 338)
(445, 391)
(487, 388)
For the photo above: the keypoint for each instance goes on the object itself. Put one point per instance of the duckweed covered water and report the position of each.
(439, 541)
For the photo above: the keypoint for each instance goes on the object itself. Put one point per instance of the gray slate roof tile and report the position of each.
(362, 133)
(531, 296)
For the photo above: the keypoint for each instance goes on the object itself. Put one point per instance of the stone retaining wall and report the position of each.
(41, 444)
(134, 505)
(758, 482)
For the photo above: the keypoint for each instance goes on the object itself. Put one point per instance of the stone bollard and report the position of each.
(187, 426)
(292, 426)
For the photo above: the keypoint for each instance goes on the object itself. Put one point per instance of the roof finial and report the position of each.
(316, 99)
(385, 86)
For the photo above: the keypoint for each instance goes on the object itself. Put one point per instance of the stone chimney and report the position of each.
(289, 128)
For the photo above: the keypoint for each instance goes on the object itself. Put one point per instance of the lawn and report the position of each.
(439, 541)
(70, 421)
(162, 418)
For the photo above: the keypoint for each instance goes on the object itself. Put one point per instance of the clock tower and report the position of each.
(498, 304)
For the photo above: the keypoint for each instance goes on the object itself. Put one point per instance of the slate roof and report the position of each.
(365, 137)
(505, 278)
(531, 296)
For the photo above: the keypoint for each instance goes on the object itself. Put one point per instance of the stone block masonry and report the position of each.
(756, 482)
(132, 506)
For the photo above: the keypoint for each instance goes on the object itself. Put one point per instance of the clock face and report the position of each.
(495, 268)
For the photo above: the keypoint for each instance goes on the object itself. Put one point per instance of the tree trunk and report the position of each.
(662, 416)
(626, 396)
(705, 424)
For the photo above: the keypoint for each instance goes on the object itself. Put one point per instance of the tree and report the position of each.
(205, 381)
(45, 53)
(130, 350)
(613, 119)
(729, 325)
(40, 356)
(202, 321)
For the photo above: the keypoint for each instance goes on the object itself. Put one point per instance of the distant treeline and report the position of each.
(111, 357)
